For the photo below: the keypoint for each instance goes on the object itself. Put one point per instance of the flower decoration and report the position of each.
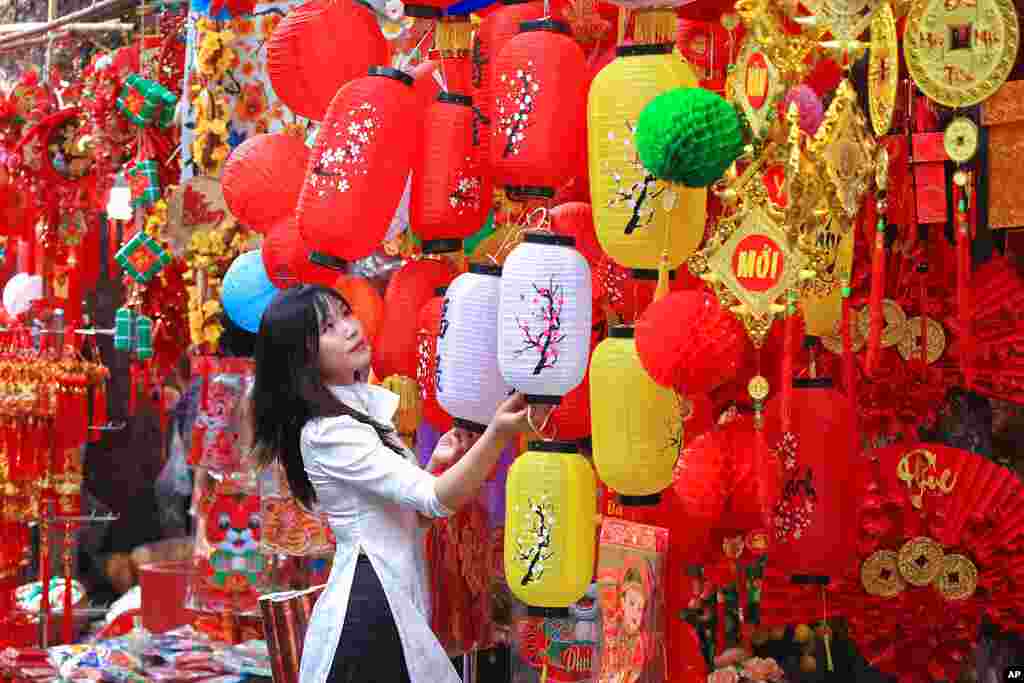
(210, 146)
(215, 56)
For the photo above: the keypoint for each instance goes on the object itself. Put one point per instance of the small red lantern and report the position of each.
(319, 47)
(286, 258)
(538, 119)
(497, 28)
(395, 352)
(359, 167)
(576, 220)
(426, 344)
(366, 302)
(455, 72)
(447, 203)
(263, 177)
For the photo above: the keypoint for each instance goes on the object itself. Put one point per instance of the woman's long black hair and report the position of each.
(289, 390)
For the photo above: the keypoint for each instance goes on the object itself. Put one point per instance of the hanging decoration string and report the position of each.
(537, 220)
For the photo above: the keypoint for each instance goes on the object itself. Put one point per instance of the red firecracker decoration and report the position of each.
(539, 105)
(497, 28)
(362, 151)
(447, 202)
(286, 258)
(428, 329)
(319, 47)
(688, 342)
(395, 353)
(263, 177)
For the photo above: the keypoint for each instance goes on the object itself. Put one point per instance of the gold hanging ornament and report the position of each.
(958, 578)
(880, 574)
(883, 69)
(920, 560)
(959, 52)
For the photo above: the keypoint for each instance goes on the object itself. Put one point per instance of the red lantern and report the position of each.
(319, 47)
(815, 532)
(455, 72)
(426, 344)
(359, 167)
(539, 110)
(497, 28)
(286, 258)
(447, 203)
(409, 290)
(366, 302)
(575, 219)
(688, 342)
(263, 177)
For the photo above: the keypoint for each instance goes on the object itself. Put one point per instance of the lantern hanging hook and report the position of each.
(539, 431)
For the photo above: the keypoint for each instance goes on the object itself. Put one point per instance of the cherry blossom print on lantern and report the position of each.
(545, 317)
(539, 99)
(362, 150)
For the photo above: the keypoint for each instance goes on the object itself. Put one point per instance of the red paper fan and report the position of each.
(319, 47)
(263, 177)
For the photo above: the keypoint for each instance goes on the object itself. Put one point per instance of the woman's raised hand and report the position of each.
(511, 418)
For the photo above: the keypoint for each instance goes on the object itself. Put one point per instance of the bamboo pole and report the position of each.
(101, 7)
(99, 27)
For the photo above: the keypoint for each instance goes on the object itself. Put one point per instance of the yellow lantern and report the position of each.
(550, 525)
(638, 217)
(637, 425)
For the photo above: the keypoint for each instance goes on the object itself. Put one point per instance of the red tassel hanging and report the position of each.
(133, 389)
(877, 285)
(195, 454)
(963, 277)
(788, 354)
(849, 361)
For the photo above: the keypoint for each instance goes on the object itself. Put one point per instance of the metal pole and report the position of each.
(51, 14)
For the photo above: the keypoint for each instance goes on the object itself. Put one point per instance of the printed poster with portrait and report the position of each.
(630, 575)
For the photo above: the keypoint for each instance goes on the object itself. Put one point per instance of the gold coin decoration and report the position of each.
(958, 578)
(920, 561)
(883, 69)
(910, 345)
(959, 52)
(960, 140)
(834, 343)
(895, 323)
(758, 388)
(880, 574)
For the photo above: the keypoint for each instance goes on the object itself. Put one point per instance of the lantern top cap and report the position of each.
(388, 72)
(545, 25)
(644, 49)
(454, 98)
(515, 2)
(549, 238)
(440, 291)
(622, 332)
(423, 11)
(553, 447)
(484, 269)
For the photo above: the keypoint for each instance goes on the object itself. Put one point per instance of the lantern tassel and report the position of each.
(963, 278)
(453, 35)
(828, 631)
(877, 289)
(661, 291)
(544, 672)
(655, 26)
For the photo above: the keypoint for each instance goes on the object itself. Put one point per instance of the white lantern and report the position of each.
(119, 206)
(545, 317)
(469, 383)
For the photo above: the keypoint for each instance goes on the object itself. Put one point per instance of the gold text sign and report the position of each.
(919, 470)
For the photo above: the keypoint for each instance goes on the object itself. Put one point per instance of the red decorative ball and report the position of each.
(319, 47)
(263, 177)
(395, 352)
(687, 342)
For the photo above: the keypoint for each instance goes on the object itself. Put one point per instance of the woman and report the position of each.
(332, 433)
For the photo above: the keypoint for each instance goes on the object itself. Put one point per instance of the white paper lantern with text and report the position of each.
(544, 317)
(469, 384)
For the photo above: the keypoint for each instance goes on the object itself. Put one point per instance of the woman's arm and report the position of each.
(461, 482)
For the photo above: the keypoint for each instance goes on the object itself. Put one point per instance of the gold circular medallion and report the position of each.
(920, 561)
(758, 388)
(961, 139)
(833, 343)
(883, 69)
(959, 52)
(910, 345)
(895, 323)
(880, 574)
(958, 578)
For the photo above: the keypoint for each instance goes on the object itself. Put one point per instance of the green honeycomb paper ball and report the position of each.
(688, 136)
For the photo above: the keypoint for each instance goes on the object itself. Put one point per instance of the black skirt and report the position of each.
(370, 650)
